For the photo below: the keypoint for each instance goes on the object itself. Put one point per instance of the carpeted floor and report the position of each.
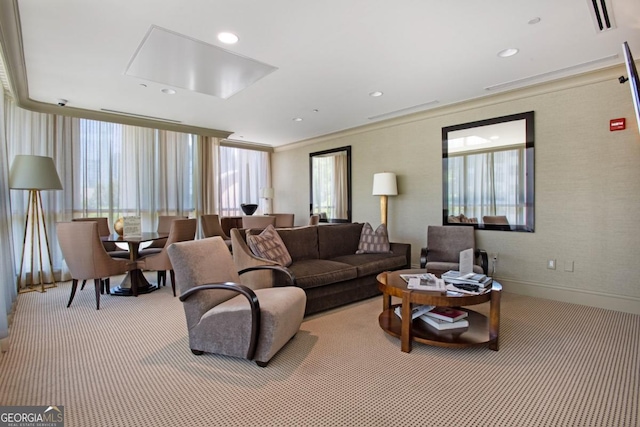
(129, 364)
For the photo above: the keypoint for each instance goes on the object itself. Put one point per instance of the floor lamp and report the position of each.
(384, 185)
(34, 173)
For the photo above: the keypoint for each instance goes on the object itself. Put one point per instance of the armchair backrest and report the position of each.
(201, 262)
(446, 242)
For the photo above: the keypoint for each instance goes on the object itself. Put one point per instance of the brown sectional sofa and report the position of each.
(325, 263)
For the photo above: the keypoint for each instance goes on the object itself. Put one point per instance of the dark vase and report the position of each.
(248, 208)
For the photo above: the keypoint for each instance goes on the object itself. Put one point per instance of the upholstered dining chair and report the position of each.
(86, 257)
(314, 219)
(104, 230)
(258, 221)
(181, 230)
(211, 227)
(284, 220)
(223, 315)
(444, 244)
(164, 226)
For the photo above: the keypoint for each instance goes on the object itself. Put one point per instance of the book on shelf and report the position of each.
(416, 311)
(442, 325)
(424, 282)
(448, 314)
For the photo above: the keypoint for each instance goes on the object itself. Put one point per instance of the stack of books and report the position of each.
(416, 311)
(471, 283)
(444, 318)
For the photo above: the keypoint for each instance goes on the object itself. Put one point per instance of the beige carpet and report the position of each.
(129, 364)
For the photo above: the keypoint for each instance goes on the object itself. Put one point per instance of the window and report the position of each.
(242, 174)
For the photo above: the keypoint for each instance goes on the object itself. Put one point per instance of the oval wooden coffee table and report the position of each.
(481, 331)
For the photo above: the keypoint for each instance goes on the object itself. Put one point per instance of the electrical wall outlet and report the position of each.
(551, 264)
(568, 266)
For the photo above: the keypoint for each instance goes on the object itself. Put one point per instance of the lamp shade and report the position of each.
(267, 193)
(385, 184)
(33, 173)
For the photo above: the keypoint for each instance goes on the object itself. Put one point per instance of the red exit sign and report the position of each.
(617, 124)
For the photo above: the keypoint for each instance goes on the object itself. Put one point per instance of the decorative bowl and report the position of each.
(248, 208)
(119, 226)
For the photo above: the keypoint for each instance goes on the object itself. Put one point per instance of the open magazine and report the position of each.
(424, 282)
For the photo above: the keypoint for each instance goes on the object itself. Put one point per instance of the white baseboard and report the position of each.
(622, 303)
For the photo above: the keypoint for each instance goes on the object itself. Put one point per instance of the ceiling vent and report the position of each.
(602, 14)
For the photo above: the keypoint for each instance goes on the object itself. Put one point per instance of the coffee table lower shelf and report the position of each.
(477, 334)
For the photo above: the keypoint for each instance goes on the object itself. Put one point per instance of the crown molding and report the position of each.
(11, 48)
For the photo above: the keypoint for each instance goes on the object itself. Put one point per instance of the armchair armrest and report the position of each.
(276, 268)
(247, 293)
(423, 257)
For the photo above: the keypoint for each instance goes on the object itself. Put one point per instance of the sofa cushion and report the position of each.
(301, 242)
(311, 273)
(339, 239)
(373, 242)
(269, 245)
(368, 264)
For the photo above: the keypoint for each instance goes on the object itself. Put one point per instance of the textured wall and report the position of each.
(587, 195)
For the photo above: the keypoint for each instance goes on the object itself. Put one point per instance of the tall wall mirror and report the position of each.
(330, 184)
(488, 173)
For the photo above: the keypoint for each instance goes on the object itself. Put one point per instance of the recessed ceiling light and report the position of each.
(228, 38)
(376, 94)
(315, 110)
(169, 91)
(534, 21)
(507, 52)
(143, 85)
(297, 119)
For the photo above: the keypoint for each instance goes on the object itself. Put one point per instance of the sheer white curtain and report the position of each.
(8, 292)
(488, 183)
(242, 174)
(340, 186)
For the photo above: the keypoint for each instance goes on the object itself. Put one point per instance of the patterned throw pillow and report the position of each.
(269, 245)
(372, 242)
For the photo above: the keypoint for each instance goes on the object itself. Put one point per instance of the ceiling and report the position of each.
(326, 57)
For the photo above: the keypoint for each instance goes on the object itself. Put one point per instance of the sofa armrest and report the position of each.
(402, 249)
(276, 269)
(244, 258)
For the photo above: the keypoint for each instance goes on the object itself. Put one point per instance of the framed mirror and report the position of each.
(488, 173)
(330, 184)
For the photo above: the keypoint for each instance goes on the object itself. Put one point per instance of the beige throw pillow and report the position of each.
(269, 245)
(372, 242)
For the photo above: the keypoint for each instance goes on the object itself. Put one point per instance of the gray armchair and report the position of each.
(226, 317)
(444, 244)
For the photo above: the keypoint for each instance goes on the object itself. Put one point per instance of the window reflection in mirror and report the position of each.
(488, 174)
(330, 182)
